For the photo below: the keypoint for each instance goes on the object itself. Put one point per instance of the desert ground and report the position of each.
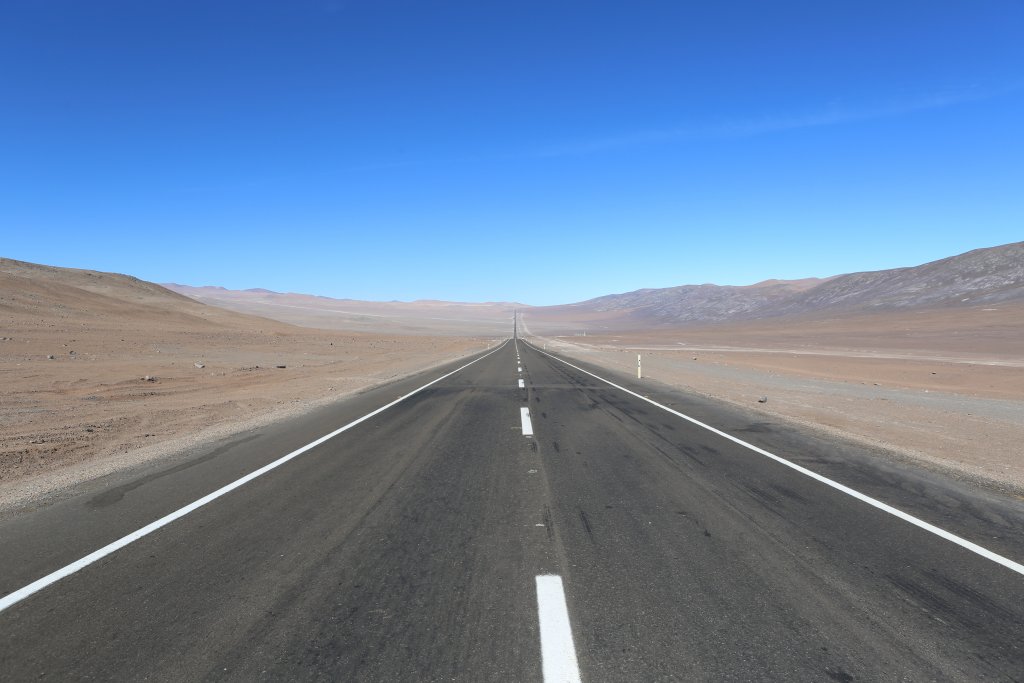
(943, 388)
(102, 371)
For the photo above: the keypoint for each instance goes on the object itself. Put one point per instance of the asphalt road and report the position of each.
(408, 548)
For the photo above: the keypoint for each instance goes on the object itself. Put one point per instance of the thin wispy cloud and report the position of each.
(834, 115)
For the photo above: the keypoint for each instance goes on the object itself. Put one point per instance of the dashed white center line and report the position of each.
(519, 368)
(558, 654)
(527, 424)
(522, 384)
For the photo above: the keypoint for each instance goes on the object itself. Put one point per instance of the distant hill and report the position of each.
(982, 276)
(125, 287)
(425, 316)
(47, 293)
(977, 278)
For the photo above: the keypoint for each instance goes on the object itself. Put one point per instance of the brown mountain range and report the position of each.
(980, 277)
(400, 317)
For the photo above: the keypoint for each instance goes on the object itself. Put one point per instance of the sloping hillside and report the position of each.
(40, 293)
(982, 276)
(102, 371)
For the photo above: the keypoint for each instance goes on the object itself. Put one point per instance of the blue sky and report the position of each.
(544, 152)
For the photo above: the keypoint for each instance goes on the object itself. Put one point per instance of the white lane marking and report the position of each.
(522, 384)
(39, 584)
(519, 367)
(920, 523)
(558, 654)
(524, 413)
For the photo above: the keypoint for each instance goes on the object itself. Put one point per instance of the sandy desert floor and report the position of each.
(946, 393)
(82, 415)
(89, 410)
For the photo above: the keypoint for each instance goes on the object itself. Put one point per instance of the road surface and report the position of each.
(485, 528)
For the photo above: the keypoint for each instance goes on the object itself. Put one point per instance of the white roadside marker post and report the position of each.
(639, 374)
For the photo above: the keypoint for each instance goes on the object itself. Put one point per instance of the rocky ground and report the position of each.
(947, 395)
(101, 372)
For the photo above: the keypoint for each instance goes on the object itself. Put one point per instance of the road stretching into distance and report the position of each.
(518, 518)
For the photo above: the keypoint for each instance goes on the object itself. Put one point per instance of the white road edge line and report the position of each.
(524, 413)
(558, 654)
(39, 584)
(920, 523)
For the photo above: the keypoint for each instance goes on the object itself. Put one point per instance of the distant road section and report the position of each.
(520, 518)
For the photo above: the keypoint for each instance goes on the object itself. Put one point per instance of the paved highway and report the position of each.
(518, 519)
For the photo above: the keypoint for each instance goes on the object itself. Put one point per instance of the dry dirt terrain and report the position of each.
(942, 387)
(101, 371)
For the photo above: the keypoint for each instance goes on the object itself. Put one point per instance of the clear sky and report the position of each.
(544, 152)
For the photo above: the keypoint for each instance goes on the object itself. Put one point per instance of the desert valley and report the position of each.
(103, 371)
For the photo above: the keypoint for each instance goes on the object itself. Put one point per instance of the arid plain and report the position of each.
(940, 387)
(102, 371)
